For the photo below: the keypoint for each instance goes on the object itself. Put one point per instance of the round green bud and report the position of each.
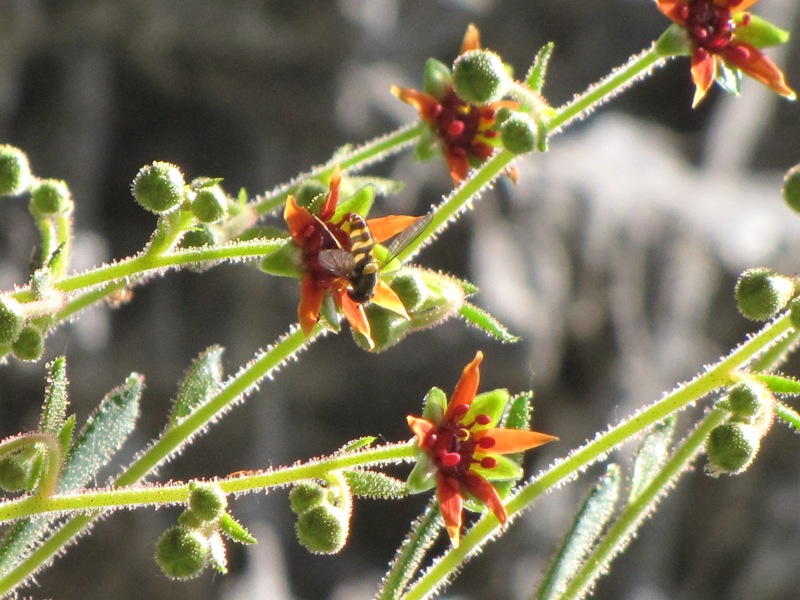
(12, 319)
(15, 171)
(323, 529)
(438, 78)
(29, 345)
(190, 520)
(518, 134)
(791, 188)
(747, 398)
(182, 553)
(159, 187)
(210, 204)
(731, 447)
(50, 197)
(16, 472)
(760, 293)
(198, 237)
(307, 495)
(480, 77)
(207, 501)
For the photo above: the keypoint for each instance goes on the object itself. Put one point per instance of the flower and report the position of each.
(716, 31)
(466, 133)
(328, 230)
(461, 449)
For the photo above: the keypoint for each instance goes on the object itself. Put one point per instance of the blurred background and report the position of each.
(614, 258)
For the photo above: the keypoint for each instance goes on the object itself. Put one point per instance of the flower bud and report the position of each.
(182, 553)
(29, 345)
(760, 293)
(207, 501)
(198, 237)
(731, 447)
(159, 187)
(305, 496)
(49, 198)
(791, 188)
(747, 398)
(15, 171)
(12, 319)
(438, 78)
(323, 529)
(518, 134)
(480, 77)
(210, 204)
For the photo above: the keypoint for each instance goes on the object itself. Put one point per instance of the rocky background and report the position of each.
(614, 257)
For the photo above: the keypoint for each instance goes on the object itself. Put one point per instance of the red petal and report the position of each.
(354, 313)
(427, 106)
(383, 228)
(513, 440)
(385, 297)
(422, 428)
(332, 199)
(466, 387)
(758, 66)
(458, 164)
(450, 505)
(704, 71)
(472, 39)
(298, 219)
(485, 492)
(311, 296)
(672, 9)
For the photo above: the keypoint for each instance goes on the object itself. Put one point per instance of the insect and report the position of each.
(359, 265)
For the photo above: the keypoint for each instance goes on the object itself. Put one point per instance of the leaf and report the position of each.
(103, 434)
(373, 484)
(486, 323)
(382, 186)
(202, 380)
(778, 384)
(357, 444)
(584, 534)
(519, 412)
(650, 457)
(235, 531)
(536, 74)
(358, 203)
(54, 410)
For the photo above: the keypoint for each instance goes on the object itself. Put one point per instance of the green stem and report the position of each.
(486, 528)
(788, 415)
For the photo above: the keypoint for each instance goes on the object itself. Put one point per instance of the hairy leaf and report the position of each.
(202, 380)
(486, 323)
(650, 458)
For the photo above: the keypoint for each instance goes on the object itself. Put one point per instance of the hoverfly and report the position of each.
(359, 265)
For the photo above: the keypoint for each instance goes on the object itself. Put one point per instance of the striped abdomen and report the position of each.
(364, 276)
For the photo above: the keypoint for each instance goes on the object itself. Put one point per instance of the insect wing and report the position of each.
(337, 261)
(404, 238)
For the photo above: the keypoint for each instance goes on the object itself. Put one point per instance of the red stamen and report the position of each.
(487, 462)
(450, 459)
(483, 419)
(455, 128)
(486, 442)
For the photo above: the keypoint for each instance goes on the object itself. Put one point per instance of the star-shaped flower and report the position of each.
(721, 34)
(461, 449)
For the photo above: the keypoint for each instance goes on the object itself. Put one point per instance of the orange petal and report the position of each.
(472, 39)
(758, 66)
(737, 8)
(513, 440)
(385, 297)
(383, 228)
(311, 296)
(450, 505)
(466, 387)
(422, 428)
(704, 71)
(298, 219)
(672, 9)
(427, 106)
(485, 492)
(354, 313)
(332, 199)
(458, 164)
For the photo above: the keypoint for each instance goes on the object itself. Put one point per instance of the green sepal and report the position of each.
(329, 315)
(492, 404)
(536, 74)
(360, 203)
(374, 484)
(778, 384)
(54, 409)
(423, 476)
(674, 41)
(428, 145)
(438, 78)
(387, 328)
(729, 78)
(434, 405)
(650, 458)
(218, 558)
(759, 32)
(486, 323)
(382, 186)
(519, 413)
(235, 531)
(286, 261)
(202, 380)
(504, 470)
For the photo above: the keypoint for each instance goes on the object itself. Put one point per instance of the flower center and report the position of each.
(455, 446)
(461, 126)
(319, 237)
(709, 24)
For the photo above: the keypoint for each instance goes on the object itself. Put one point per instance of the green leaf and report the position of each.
(359, 443)
(486, 323)
(202, 380)
(65, 435)
(778, 384)
(373, 484)
(536, 75)
(54, 411)
(584, 534)
(760, 32)
(650, 458)
(103, 434)
(235, 531)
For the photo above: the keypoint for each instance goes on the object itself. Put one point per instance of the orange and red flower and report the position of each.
(714, 29)
(461, 448)
(326, 231)
(467, 133)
